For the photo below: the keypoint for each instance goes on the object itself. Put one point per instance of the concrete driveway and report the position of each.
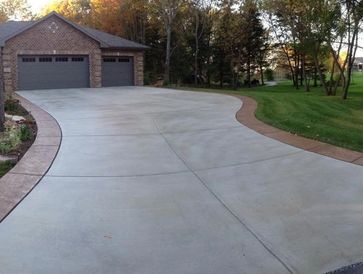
(161, 181)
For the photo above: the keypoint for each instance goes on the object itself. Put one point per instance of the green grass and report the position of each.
(310, 114)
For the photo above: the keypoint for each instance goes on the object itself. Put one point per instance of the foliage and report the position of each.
(5, 167)
(226, 42)
(10, 138)
(25, 133)
(13, 107)
(269, 74)
(15, 10)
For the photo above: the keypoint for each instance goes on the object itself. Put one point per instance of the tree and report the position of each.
(15, 10)
(225, 40)
(78, 11)
(167, 10)
(253, 36)
(201, 10)
(353, 11)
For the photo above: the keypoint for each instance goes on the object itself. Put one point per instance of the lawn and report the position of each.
(311, 114)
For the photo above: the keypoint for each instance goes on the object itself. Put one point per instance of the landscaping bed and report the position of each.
(19, 134)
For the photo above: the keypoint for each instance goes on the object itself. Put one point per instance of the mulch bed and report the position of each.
(18, 109)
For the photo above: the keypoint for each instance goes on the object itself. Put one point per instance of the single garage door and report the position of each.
(52, 72)
(117, 71)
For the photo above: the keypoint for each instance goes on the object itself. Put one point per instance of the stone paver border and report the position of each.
(246, 116)
(35, 163)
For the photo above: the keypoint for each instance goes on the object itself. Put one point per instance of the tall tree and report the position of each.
(167, 10)
(254, 40)
(15, 10)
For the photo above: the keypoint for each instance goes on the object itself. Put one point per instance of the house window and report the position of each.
(124, 60)
(28, 59)
(77, 59)
(45, 59)
(61, 59)
(360, 66)
(109, 60)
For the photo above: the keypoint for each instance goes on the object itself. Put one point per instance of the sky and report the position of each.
(37, 5)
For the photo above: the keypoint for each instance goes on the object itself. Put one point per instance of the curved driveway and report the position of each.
(161, 181)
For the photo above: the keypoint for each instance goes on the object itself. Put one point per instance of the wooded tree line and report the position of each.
(230, 42)
(201, 42)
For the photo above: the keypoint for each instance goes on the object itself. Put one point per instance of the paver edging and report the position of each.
(27, 173)
(246, 116)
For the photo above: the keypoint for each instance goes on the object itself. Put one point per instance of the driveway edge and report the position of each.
(27, 173)
(246, 116)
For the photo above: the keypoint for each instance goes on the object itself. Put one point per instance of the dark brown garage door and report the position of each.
(117, 71)
(52, 72)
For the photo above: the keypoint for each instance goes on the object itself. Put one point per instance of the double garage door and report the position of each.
(54, 72)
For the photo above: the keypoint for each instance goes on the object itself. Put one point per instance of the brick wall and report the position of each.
(52, 36)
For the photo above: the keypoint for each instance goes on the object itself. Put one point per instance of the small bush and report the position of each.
(5, 167)
(269, 74)
(10, 138)
(25, 133)
(13, 107)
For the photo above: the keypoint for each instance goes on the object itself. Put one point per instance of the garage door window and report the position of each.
(109, 60)
(77, 59)
(124, 60)
(45, 59)
(61, 59)
(28, 59)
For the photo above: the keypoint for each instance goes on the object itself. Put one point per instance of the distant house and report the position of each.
(358, 64)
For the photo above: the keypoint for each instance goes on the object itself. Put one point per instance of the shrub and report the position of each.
(10, 138)
(5, 167)
(269, 74)
(25, 133)
(13, 107)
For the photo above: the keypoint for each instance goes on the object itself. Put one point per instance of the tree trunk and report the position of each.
(249, 72)
(221, 74)
(306, 82)
(167, 58)
(262, 78)
(315, 77)
(322, 81)
(351, 53)
(196, 50)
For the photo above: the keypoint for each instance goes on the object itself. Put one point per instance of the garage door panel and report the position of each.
(117, 71)
(52, 72)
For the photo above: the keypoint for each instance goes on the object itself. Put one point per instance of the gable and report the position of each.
(52, 33)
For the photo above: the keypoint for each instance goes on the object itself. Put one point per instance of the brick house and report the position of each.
(55, 53)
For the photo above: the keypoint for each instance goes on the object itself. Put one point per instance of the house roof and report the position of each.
(13, 28)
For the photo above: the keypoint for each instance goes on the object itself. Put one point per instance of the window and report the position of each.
(61, 59)
(109, 60)
(124, 60)
(28, 59)
(77, 59)
(45, 59)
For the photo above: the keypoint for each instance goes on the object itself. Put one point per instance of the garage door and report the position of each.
(117, 71)
(52, 72)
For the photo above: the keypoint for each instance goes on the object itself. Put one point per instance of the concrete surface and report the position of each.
(160, 181)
